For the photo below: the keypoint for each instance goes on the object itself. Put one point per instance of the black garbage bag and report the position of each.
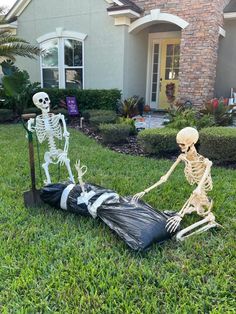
(139, 225)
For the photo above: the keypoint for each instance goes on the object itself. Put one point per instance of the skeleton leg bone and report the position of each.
(209, 222)
(67, 163)
(48, 160)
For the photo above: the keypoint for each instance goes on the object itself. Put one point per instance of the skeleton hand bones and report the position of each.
(163, 179)
(81, 170)
(139, 195)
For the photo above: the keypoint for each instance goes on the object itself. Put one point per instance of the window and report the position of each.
(172, 62)
(62, 63)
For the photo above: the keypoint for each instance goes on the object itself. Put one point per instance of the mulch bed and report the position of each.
(131, 147)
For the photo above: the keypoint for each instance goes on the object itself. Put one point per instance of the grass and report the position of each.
(56, 262)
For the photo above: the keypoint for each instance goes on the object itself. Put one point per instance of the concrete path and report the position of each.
(150, 121)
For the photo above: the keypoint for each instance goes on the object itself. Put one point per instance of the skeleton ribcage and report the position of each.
(194, 171)
(48, 128)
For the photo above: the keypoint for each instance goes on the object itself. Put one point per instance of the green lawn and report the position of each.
(56, 262)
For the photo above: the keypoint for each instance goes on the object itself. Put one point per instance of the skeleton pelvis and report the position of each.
(52, 156)
(202, 205)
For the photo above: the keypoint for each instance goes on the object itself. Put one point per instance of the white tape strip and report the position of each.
(85, 197)
(64, 196)
(105, 196)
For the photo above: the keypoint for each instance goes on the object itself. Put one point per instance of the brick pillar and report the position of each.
(199, 44)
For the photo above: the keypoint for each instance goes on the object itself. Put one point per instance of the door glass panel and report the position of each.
(172, 62)
(74, 78)
(170, 50)
(169, 62)
(177, 50)
(155, 71)
(50, 53)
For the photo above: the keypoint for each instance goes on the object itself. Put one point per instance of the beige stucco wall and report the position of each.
(104, 45)
(226, 65)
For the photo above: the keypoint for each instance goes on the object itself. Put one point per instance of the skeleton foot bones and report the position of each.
(197, 171)
(48, 128)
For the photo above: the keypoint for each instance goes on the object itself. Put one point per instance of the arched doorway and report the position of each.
(163, 56)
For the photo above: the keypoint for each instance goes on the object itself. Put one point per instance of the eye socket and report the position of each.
(40, 100)
(46, 99)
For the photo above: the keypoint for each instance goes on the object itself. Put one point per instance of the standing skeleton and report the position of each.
(48, 128)
(197, 171)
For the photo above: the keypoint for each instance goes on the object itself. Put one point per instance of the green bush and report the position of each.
(60, 110)
(218, 144)
(6, 115)
(182, 118)
(95, 121)
(32, 110)
(87, 114)
(86, 98)
(130, 122)
(114, 133)
(159, 141)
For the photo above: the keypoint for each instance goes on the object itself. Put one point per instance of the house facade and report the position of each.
(160, 50)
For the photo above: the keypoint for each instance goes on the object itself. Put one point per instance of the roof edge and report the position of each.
(17, 9)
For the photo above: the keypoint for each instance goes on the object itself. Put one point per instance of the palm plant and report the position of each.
(12, 46)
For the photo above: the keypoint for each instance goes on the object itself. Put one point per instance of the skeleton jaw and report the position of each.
(183, 147)
(45, 109)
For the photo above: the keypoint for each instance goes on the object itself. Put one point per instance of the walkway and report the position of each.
(150, 121)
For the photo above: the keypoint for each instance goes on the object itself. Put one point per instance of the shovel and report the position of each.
(32, 197)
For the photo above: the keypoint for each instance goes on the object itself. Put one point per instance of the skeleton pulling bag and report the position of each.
(139, 225)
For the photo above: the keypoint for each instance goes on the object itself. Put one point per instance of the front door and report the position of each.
(163, 72)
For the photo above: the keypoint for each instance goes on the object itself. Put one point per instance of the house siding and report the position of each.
(104, 45)
(226, 65)
(199, 44)
(135, 66)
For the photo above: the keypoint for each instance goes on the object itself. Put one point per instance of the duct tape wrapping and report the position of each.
(139, 225)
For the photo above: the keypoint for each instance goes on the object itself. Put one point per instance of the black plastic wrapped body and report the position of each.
(138, 225)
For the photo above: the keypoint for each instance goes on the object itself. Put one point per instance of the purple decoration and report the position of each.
(72, 106)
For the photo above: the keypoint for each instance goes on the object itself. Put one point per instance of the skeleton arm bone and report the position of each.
(163, 179)
(31, 125)
(66, 134)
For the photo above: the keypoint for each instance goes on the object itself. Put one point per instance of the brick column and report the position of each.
(199, 44)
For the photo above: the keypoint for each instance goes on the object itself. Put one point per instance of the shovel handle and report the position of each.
(31, 148)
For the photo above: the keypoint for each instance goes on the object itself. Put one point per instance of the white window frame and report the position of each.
(61, 35)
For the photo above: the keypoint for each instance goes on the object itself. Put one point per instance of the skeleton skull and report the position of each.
(42, 101)
(186, 138)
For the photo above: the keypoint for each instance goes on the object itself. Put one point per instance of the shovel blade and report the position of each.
(32, 198)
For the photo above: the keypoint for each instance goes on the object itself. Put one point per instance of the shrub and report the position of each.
(218, 144)
(128, 107)
(95, 121)
(17, 88)
(130, 122)
(86, 98)
(219, 110)
(60, 110)
(87, 114)
(114, 133)
(158, 141)
(32, 110)
(6, 115)
(181, 117)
